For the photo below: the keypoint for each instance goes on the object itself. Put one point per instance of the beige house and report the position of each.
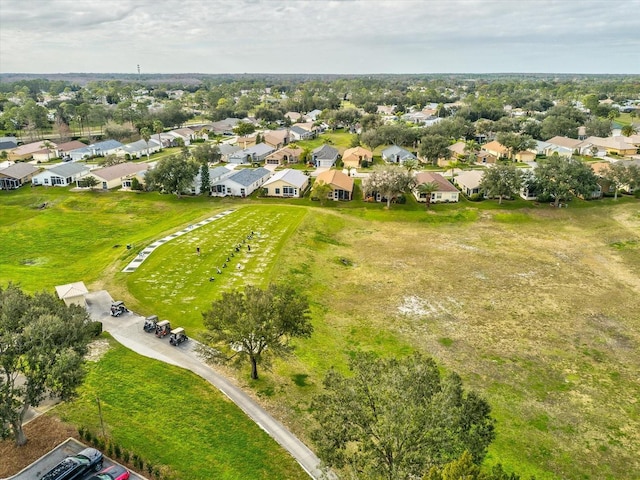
(117, 175)
(496, 149)
(469, 181)
(276, 138)
(446, 192)
(72, 293)
(284, 156)
(353, 157)
(612, 145)
(286, 183)
(246, 141)
(341, 184)
(525, 156)
(26, 151)
(16, 175)
(485, 158)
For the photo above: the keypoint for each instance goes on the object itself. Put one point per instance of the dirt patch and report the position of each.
(43, 434)
(97, 349)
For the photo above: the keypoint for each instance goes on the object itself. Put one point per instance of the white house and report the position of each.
(469, 181)
(241, 183)
(61, 175)
(215, 175)
(254, 154)
(445, 193)
(395, 154)
(139, 149)
(324, 156)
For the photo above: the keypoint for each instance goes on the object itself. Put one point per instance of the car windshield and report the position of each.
(103, 476)
(82, 459)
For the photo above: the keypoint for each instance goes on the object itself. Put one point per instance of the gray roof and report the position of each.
(247, 176)
(325, 152)
(106, 145)
(19, 170)
(139, 146)
(260, 149)
(226, 149)
(8, 145)
(299, 130)
(69, 169)
(218, 172)
(291, 176)
(399, 151)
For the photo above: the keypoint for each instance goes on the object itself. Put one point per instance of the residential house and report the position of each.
(525, 156)
(226, 150)
(139, 149)
(246, 141)
(224, 127)
(8, 143)
(324, 156)
(353, 157)
(100, 149)
(386, 109)
(63, 149)
(72, 293)
(289, 154)
(496, 149)
(119, 175)
(61, 175)
(485, 158)
(241, 183)
(611, 145)
(216, 174)
(540, 147)
(469, 182)
(16, 175)
(297, 132)
(286, 183)
(313, 115)
(45, 154)
(277, 138)
(458, 150)
(293, 116)
(395, 154)
(341, 184)
(445, 193)
(185, 134)
(254, 154)
(26, 151)
(567, 144)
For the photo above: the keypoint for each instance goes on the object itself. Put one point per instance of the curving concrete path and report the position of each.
(143, 254)
(127, 329)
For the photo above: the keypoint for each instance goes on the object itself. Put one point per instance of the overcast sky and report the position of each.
(320, 36)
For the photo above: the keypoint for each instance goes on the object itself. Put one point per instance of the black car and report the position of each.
(75, 466)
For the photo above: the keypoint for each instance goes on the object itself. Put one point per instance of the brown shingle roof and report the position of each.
(120, 170)
(428, 177)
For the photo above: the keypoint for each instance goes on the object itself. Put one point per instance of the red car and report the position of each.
(114, 472)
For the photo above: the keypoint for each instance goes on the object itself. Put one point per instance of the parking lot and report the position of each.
(45, 463)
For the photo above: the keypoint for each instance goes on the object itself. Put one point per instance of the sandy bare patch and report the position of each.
(97, 349)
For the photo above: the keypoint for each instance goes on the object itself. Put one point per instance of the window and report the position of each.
(277, 191)
(289, 191)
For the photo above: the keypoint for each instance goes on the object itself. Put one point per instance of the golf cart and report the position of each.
(118, 308)
(177, 336)
(150, 323)
(163, 328)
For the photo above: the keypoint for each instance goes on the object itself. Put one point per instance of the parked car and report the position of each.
(76, 466)
(114, 472)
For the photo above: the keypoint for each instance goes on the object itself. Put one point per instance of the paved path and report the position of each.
(127, 329)
(141, 257)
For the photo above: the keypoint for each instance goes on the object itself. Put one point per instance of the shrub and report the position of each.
(88, 437)
(116, 450)
(109, 449)
(81, 432)
(126, 455)
(95, 328)
(149, 468)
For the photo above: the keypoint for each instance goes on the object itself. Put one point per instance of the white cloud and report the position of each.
(347, 36)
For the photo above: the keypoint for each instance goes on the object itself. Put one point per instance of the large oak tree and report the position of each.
(42, 345)
(256, 323)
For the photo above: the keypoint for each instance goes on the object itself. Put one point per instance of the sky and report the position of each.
(320, 36)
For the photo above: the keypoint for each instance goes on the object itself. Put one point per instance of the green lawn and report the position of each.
(174, 282)
(535, 307)
(169, 416)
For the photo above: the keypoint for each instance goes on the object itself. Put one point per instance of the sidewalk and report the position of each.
(127, 329)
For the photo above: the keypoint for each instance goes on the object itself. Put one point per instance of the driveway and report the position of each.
(127, 329)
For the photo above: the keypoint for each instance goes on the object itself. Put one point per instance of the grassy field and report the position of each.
(172, 417)
(536, 308)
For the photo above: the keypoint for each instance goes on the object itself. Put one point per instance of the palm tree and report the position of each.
(427, 189)
(628, 130)
(145, 133)
(158, 127)
(48, 146)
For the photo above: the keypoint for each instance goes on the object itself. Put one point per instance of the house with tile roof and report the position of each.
(286, 183)
(26, 151)
(289, 154)
(446, 192)
(277, 138)
(341, 184)
(99, 149)
(469, 182)
(353, 157)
